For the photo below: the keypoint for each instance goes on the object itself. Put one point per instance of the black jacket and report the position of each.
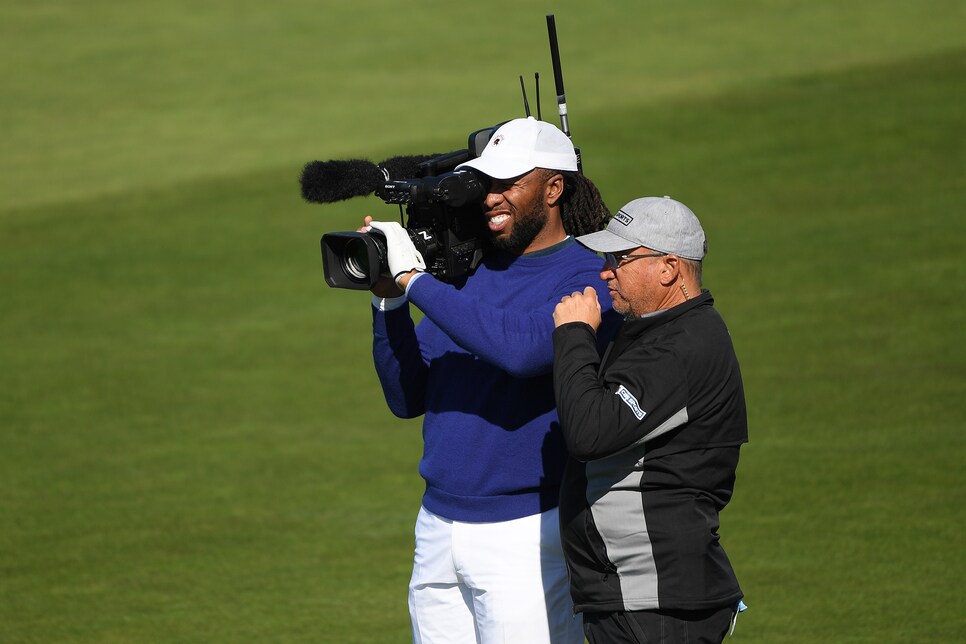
(653, 432)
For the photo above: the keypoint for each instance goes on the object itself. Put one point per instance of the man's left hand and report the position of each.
(578, 307)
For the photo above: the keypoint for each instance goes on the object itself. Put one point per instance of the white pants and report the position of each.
(487, 583)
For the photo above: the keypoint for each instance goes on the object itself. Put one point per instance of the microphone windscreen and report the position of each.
(328, 181)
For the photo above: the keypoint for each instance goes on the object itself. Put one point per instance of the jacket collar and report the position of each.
(630, 330)
(637, 326)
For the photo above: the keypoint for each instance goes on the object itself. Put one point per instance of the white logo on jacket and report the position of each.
(631, 402)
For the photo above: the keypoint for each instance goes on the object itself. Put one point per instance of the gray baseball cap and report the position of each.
(658, 223)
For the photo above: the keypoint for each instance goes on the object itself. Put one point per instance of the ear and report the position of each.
(671, 270)
(554, 189)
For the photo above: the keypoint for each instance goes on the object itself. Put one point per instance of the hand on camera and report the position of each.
(402, 256)
(385, 286)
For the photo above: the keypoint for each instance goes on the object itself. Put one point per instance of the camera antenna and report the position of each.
(526, 104)
(558, 79)
(536, 82)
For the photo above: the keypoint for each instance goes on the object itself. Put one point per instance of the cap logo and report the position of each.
(623, 218)
(497, 140)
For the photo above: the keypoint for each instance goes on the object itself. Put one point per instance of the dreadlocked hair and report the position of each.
(582, 209)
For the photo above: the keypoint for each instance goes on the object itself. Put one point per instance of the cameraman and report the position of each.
(488, 562)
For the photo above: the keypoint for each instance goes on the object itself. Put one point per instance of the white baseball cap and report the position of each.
(658, 223)
(521, 145)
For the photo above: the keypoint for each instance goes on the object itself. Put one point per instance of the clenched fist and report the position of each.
(578, 307)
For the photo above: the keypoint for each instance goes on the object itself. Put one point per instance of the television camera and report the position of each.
(443, 204)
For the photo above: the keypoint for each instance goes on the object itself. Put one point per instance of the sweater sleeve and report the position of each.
(399, 363)
(643, 394)
(517, 341)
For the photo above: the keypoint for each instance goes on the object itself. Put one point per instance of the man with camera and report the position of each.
(488, 563)
(653, 429)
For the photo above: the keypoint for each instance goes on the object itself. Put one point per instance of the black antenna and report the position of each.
(558, 79)
(526, 104)
(558, 75)
(536, 82)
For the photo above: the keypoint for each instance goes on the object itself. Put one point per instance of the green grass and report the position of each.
(193, 444)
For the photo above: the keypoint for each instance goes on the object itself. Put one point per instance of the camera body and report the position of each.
(444, 221)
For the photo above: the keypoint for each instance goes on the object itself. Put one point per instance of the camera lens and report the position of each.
(355, 261)
(358, 254)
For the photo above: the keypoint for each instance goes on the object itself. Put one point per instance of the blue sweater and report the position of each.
(479, 366)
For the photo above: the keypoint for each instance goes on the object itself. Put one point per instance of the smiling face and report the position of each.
(521, 212)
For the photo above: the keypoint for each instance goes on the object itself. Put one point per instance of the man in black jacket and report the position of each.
(653, 429)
